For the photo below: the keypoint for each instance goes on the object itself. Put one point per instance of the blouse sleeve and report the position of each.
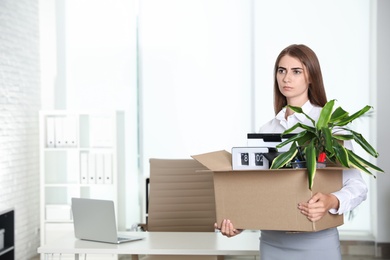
(353, 193)
(354, 190)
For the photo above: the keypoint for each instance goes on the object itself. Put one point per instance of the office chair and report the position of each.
(181, 199)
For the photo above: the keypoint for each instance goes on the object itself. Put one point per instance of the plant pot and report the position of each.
(299, 165)
(321, 165)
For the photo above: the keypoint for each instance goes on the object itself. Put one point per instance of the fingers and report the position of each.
(312, 214)
(216, 227)
(227, 228)
(315, 208)
(315, 198)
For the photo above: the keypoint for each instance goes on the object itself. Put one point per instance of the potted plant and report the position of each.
(324, 139)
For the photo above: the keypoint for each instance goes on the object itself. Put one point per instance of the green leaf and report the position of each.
(338, 114)
(357, 164)
(304, 140)
(341, 154)
(285, 157)
(349, 119)
(331, 158)
(299, 125)
(298, 136)
(343, 137)
(291, 139)
(299, 110)
(325, 114)
(364, 144)
(311, 163)
(296, 109)
(327, 134)
(354, 157)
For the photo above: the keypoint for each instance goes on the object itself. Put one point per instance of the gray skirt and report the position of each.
(279, 245)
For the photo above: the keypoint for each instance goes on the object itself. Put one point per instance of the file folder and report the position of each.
(70, 131)
(50, 132)
(83, 168)
(108, 168)
(59, 131)
(99, 168)
(91, 168)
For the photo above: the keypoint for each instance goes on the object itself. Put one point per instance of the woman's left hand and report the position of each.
(227, 228)
(318, 206)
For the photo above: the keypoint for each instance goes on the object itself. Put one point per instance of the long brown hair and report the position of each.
(316, 92)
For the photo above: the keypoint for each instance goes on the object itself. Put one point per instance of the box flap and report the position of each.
(221, 161)
(215, 161)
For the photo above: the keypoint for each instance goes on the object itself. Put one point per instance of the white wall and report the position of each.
(337, 33)
(19, 105)
(195, 60)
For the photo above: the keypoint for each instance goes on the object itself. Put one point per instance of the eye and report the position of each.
(297, 72)
(281, 71)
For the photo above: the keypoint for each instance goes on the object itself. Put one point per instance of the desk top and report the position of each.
(162, 243)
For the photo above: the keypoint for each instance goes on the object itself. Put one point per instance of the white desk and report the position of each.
(161, 243)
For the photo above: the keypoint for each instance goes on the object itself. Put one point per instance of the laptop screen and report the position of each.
(94, 219)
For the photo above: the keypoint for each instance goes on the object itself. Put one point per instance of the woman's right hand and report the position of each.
(227, 228)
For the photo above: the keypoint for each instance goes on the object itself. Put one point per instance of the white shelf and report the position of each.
(80, 156)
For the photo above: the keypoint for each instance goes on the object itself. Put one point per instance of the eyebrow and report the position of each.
(297, 68)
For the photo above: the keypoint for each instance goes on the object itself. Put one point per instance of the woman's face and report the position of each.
(292, 80)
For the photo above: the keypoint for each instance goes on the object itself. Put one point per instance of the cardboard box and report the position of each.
(268, 199)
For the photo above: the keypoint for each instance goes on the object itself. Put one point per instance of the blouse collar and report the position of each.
(306, 108)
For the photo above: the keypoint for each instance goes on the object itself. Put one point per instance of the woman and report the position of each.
(298, 82)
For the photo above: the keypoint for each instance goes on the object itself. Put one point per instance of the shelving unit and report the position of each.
(81, 155)
(7, 234)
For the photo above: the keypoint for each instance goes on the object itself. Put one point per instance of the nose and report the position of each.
(286, 77)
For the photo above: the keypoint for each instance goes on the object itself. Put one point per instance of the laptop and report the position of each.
(95, 220)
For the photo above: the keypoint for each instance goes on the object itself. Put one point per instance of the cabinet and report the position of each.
(7, 234)
(81, 155)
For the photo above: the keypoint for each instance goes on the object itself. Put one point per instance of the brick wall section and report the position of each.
(19, 105)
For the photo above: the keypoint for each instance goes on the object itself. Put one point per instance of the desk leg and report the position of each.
(220, 257)
(77, 256)
(134, 257)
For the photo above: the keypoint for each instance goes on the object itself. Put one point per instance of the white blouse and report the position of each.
(354, 189)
